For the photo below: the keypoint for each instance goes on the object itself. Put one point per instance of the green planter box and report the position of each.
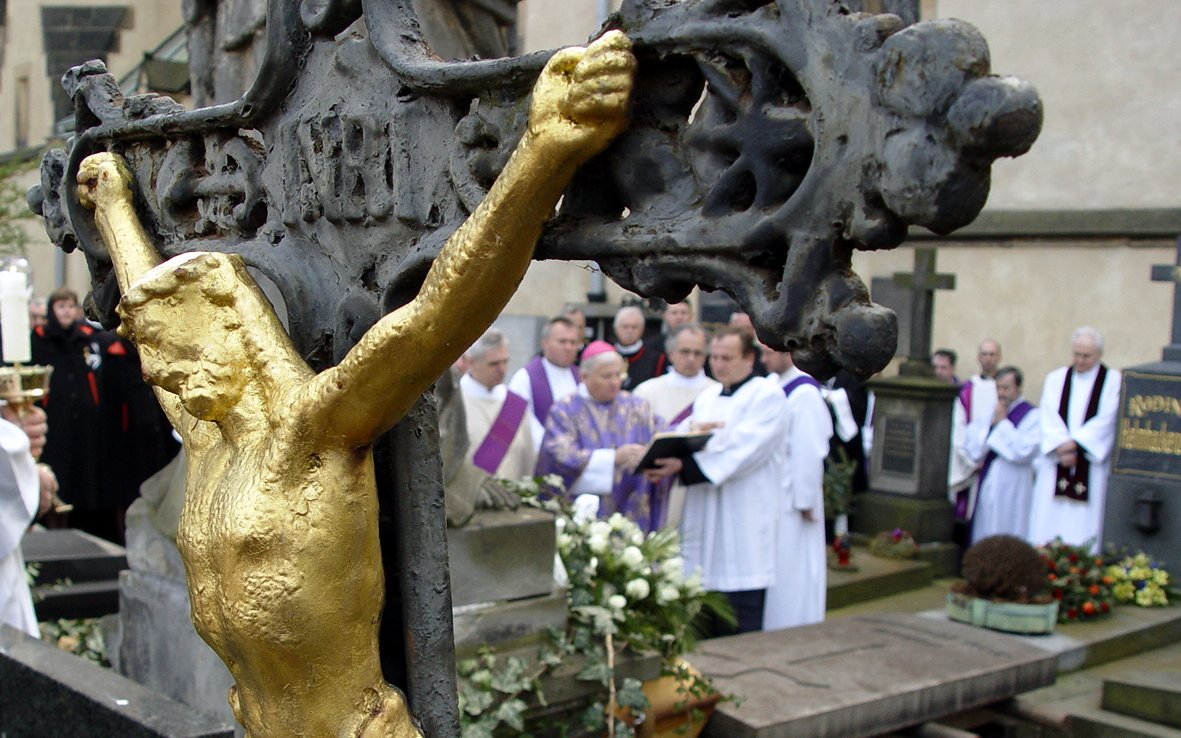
(1006, 616)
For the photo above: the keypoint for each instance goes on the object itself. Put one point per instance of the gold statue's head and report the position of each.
(197, 319)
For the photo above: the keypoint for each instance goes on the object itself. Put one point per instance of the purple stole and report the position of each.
(798, 382)
(681, 416)
(966, 400)
(500, 436)
(543, 395)
(1016, 414)
(1073, 481)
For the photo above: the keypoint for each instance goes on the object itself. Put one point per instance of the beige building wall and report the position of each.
(1031, 295)
(1109, 74)
(546, 24)
(149, 22)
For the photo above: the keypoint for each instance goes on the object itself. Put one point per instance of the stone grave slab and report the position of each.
(48, 692)
(863, 676)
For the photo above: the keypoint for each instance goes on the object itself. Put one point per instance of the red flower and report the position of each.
(1094, 589)
(1058, 594)
(1072, 613)
(1104, 607)
(1073, 558)
(1053, 577)
(1089, 607)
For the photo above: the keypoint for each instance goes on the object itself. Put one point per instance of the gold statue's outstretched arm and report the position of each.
(104, 184)
(579, 104)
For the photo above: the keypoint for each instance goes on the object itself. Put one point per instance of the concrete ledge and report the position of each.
(1129, 631)
(875, 578)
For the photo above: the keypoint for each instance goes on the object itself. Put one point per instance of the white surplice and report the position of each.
(1005, 495)
(669, 394)
(481, 407)
(19, 498)
(1074, 521)
(729, 527)
(797, 596)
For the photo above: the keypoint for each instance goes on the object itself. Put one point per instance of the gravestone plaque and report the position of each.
(863, 676)
(1143, 507)
(899, 445)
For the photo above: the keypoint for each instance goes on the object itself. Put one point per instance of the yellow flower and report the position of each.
(1160, 577)
(1144, 597)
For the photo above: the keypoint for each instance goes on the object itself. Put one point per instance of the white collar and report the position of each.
(631, 348)
(677, 379)
(477, 391)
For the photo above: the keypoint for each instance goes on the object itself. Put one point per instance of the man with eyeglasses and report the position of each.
(671, 395)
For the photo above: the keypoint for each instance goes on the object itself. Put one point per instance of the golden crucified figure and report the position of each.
(279, 528)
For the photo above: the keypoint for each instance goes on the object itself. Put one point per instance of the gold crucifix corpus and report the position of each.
(279, 528)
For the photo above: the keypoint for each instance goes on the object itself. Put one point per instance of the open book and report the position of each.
(669, 445)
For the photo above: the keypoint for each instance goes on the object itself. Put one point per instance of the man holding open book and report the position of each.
(734, 483)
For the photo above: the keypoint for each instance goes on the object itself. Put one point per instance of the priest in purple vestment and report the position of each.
(595, 437)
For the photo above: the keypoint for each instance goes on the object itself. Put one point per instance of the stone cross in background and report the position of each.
(1172, 273)
(922, 283)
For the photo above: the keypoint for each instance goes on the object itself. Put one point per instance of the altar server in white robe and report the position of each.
(1005, 447)
(734, 486)
(797, 596)
(1079, 406)
(25, 490)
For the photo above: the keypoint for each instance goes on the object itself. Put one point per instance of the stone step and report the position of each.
(72, 555)
(875, 578)
(76, 600)
(1155, 697)
(1088, 720)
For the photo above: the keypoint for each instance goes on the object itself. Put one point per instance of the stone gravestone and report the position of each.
(767, 143)
(912, 433)
(1143, 506)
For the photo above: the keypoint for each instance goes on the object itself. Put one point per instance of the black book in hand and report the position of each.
(672, 445)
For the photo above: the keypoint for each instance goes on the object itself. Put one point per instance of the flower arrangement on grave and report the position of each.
(1004, 569)
(626, 591)
(894, 544)
(1078, 580)
(1139, 580)
(1004, 588)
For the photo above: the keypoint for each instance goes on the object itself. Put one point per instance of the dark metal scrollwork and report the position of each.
(769, 141)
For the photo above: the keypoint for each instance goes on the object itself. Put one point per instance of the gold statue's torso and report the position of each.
(273, 532)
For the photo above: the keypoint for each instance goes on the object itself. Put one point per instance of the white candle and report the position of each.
(14, 317)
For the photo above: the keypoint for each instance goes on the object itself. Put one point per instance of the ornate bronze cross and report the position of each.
(768, 141)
